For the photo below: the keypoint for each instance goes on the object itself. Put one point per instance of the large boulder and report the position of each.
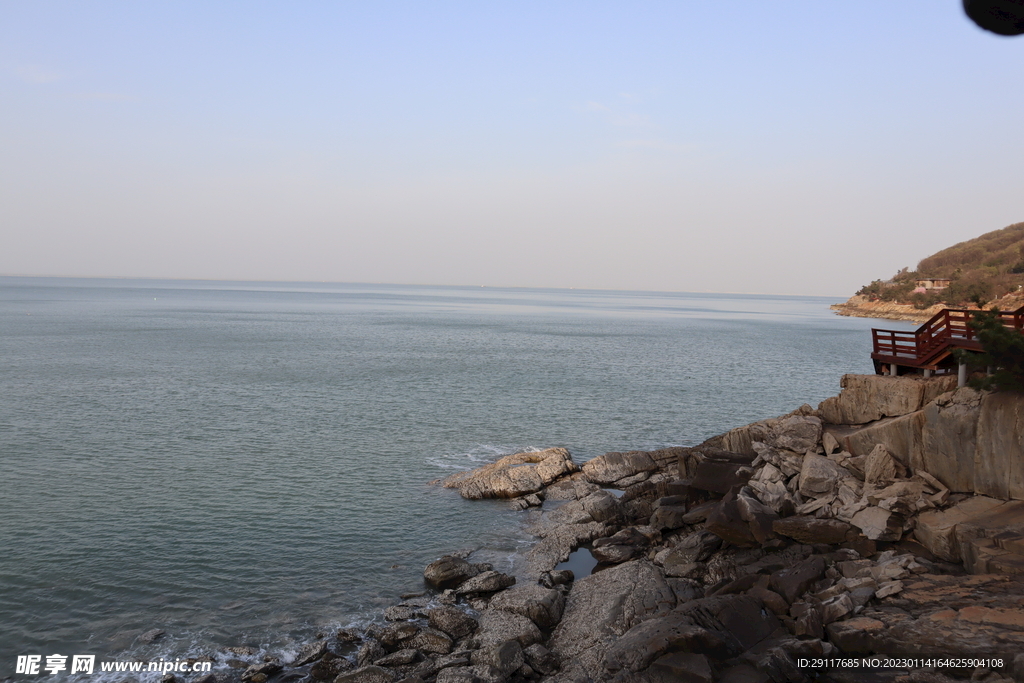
(718, 470)
(604, 606)
(543, 606)
(448, 572)
(798, 433)
(513, 475)
(498, 626)
(611, 468)
(866, 398)
(451, 621)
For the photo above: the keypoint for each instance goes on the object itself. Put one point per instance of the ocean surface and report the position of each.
(247, 463)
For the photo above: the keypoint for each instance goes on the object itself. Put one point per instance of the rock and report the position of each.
(639, 647)
(370, 651)
(878, 524)
(866, 398)
(602, 506)
(829, 443)
(820, 476)
(265, 669)
(793, 582)
(604, 606)
(855, 636)
(558, 542)
(310, 652)
(152, 635)
(399, 613)
(470, 674)
(881, 467)
(448, 572)
(836, 608)
(683, 666)
(727, 523)
(669, 517)
(399, 658)
(541, 659)
(485, 582)
(798, 433)
(366, 674)
(812, 530)
(772, 600)
(506, 657)
(328, 667)
(611, 467)
(498, 626)
(394, 633)
(721, 470)
(699, 513)
(696, 547)
(452, 621)
(513, 475)
(543, 606)
(430, 640)
(557, 578)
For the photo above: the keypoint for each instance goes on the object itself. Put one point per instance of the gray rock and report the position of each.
(486, 582)
(798, 433)
(793, 582)
(431, 640)
(449, 572)
(400, 613)
(543, 606)
(451, 621)
(541, 659)
(369, 651)
(152, 635)
(366, 674)
(611, 467)
(602, 506)
(820, 476)
(399, 658)
(310, 652)
(506, 657)
(811, 530)
(498, 626)
(393, 634)
(329, 666)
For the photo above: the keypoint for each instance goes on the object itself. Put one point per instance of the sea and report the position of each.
(253, 463)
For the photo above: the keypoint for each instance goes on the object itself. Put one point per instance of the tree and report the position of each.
(1002, 350)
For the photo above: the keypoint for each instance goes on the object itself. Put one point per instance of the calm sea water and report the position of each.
(244, 463)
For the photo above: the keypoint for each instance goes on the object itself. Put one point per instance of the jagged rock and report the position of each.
(812, 530)
(794, 581)
(669, 517)
(611, 467)
(543, 606)
(836, 608)
(820, 476)
(727, 523)
(758, 517)
(639, 647)
(799, 433)
(448, 572)
(557, 578)
(152, 635)
(485, 582)
(265, 669)
(513, 475)
(310, 652)
(936, 529)
(498, 626)
(772, 600)
(880, 467)
(451, 621)
(470, 674)
(829, 443)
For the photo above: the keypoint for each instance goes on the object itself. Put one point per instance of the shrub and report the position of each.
(1002, 349)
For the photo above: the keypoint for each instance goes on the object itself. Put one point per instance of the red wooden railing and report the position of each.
(933, 342)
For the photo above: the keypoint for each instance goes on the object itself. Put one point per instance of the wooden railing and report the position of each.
(932, 342)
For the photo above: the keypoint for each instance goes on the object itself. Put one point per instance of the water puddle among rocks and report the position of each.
(615, 492)
(581, 562)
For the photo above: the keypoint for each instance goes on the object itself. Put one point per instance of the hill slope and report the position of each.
(987, 270)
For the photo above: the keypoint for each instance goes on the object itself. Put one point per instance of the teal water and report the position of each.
(247, 463)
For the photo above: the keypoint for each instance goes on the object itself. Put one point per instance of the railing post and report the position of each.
(961, 377)
(927, 373)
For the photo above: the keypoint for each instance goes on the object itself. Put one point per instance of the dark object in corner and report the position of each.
(1005, 17)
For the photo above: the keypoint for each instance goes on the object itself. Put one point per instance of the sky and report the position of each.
(798, 147)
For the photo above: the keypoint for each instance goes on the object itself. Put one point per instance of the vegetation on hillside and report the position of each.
(979, 270)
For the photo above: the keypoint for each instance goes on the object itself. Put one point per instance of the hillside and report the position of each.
(984, 271)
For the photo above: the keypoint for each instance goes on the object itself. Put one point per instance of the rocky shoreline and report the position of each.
(825, 533)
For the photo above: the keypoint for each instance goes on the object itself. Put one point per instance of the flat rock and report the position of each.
(452, 621)
(485, 582)
(498, 626)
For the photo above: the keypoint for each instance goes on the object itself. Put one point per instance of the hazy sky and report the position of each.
(783, 147)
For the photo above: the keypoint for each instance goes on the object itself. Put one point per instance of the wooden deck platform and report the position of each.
(929, 348)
